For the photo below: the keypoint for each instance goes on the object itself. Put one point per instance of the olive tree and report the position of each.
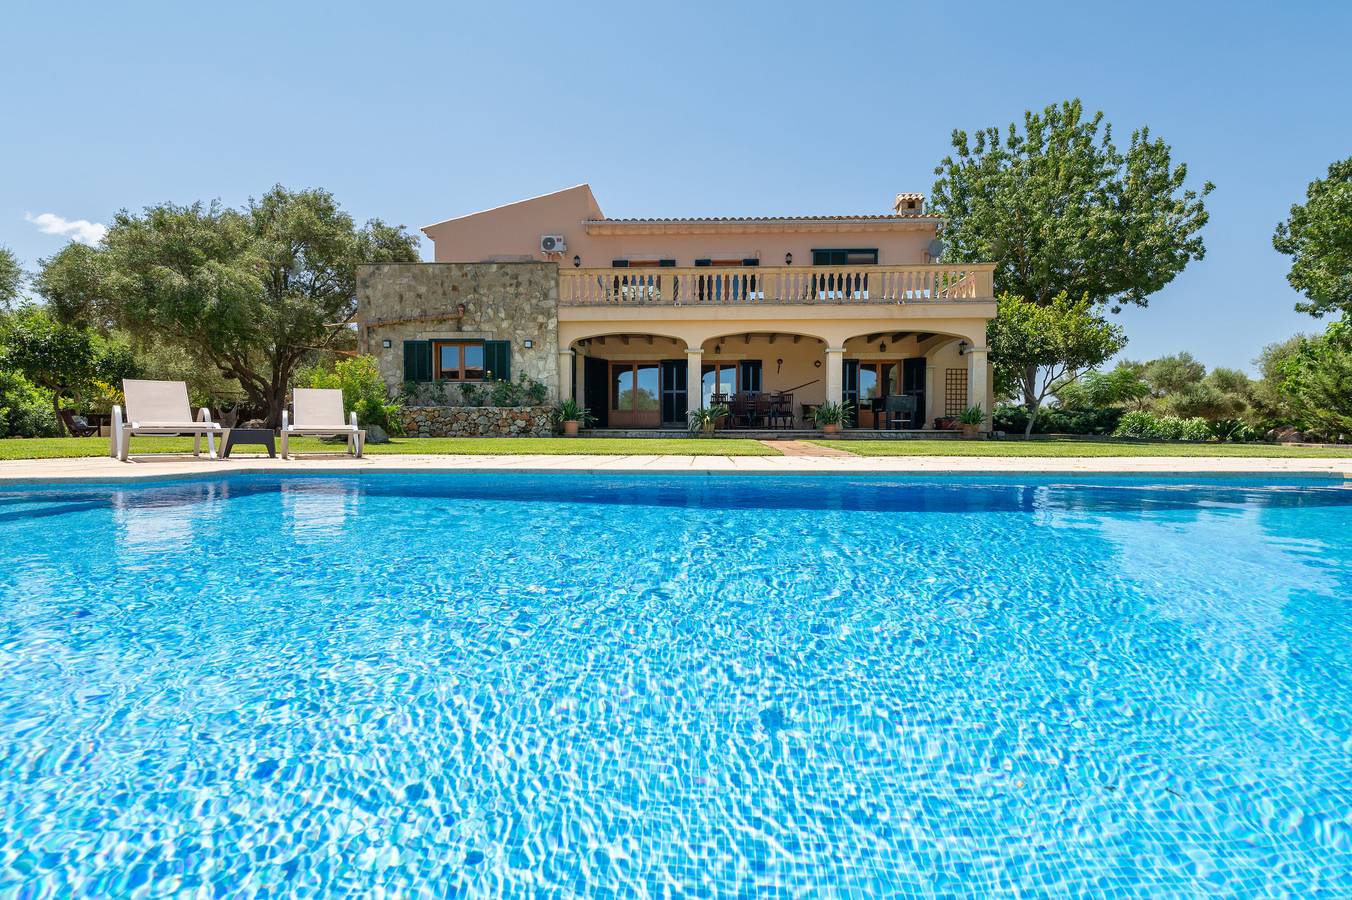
(251, 292)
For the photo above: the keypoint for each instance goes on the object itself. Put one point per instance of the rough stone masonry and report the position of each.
(477, 421)
(507, 301)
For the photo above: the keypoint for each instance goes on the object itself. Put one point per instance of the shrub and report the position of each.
(25, 409)
(1059, 420)
(1148, 425)
(1195, 429)
(1233, 430)
(525, 391)
(364, 391)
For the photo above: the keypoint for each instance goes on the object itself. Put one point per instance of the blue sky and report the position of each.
(414, 113)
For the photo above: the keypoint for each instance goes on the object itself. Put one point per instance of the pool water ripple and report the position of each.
(535, 685)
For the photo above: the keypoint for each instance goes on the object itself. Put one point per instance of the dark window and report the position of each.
(848, 257)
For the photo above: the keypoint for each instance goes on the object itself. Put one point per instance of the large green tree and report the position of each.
(11, 277)
(1061, 210)
(1318, 238)
(250, 292)
(1038, 348)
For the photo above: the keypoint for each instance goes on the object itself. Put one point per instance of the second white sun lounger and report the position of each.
(319, 411)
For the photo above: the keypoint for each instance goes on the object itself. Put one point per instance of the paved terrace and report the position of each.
(103, 469)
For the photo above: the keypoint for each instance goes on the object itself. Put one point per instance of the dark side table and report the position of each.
(263, 437)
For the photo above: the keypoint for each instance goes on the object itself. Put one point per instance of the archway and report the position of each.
(629, 379)
(913, 379)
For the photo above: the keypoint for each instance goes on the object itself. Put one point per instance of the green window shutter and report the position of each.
(498, 359)
(417, 360)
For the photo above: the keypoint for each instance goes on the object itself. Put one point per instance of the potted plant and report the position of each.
(572, 416)
(705, 419)
(972, 420)
(831, 417)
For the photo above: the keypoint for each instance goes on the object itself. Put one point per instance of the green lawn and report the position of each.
(1071, 448)
(54, 448)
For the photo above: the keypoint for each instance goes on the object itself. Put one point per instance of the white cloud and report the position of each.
(80, 230)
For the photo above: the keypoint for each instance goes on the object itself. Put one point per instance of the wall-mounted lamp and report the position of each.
(577, 261)
(779, 365)
(387, 343)
(817, 364)
(882, 348)
(962, 348)
(528, 343)
(788, 259)
(718, 348)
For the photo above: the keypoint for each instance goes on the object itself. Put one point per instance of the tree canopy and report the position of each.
(251, 291)
(64, 359)
(1318, 238)
(1060, 210)
(11, 277)
(1037, 348)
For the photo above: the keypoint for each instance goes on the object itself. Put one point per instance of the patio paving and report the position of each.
(103, 469)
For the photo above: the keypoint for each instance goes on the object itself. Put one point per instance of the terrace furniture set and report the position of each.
(162, 407)
(757, 409)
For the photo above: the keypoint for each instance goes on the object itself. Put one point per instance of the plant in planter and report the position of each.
(705, 419)
(572, 416)
(971, 420)
(831, 417)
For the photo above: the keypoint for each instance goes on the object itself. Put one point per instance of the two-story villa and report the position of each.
(643, 319)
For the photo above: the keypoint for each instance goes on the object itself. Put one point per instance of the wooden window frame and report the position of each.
(439, 374)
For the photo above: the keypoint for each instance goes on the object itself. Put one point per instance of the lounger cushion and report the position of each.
(150, 403)
(318, 408)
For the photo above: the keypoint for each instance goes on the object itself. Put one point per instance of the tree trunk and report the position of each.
(1030, 399)
(276, 402)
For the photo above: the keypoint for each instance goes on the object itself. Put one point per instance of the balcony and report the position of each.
(776, 285)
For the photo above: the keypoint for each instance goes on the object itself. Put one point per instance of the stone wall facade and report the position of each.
(509, 301)
(477, 421)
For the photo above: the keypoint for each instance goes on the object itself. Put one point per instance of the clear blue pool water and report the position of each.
(536, 685)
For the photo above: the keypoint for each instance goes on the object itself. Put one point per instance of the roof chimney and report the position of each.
(909, 204)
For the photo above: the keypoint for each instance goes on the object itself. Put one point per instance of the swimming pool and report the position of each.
(538, 685)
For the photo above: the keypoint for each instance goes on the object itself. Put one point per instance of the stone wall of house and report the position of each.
(511, 301)
(477, 421)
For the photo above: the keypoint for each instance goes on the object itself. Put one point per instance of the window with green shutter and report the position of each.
(498, 360)
(417, 360)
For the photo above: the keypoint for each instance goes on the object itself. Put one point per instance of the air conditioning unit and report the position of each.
(553, 243)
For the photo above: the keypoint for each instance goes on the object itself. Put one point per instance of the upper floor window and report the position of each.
(729, 262)
(459, 360)
(849, 257)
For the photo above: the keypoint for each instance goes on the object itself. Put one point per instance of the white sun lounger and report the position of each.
(319, 411)
(158, 407)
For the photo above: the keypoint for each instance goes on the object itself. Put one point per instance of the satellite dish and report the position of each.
(936, 248)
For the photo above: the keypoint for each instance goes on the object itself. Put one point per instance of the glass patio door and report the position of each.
(635, 390)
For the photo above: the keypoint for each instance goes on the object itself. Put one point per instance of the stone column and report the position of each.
(694, 378)
(933, 391)
(835, 374)
(977, 382)
(565, 375)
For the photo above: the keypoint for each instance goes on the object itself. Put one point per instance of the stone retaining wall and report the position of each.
(477, 421)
